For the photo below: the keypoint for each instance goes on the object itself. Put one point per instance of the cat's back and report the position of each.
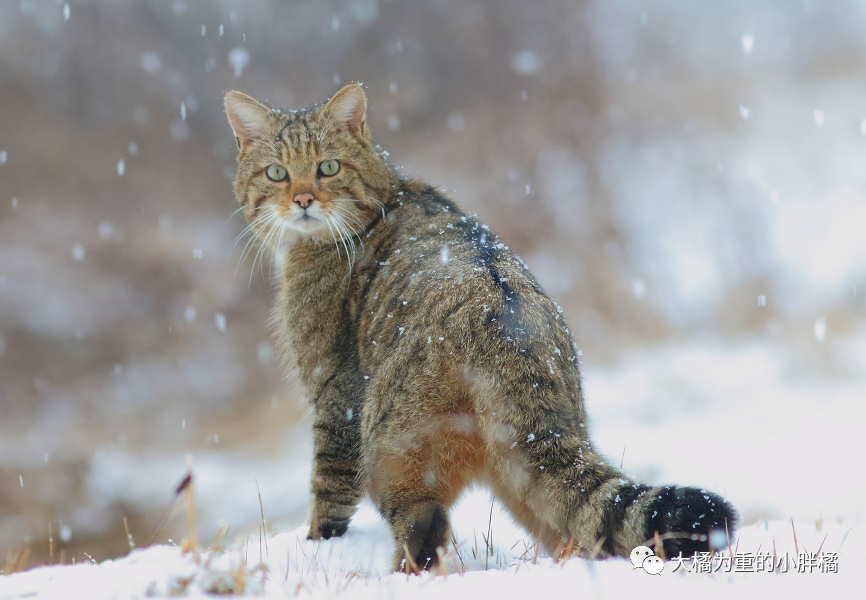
(434, 275)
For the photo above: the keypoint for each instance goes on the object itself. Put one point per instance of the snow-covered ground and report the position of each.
(357, 566)
(765, 424)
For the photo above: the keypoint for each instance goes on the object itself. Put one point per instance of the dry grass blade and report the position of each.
(659, 547)
(569, 550)
(129, 539)
(822, 543)
(187, 487)
(796, 545)
(488, 541)
(262, 509)
(442, 567)
(165, 516)
(597, 548)
(22, 563)
(92, 560)
(16, 561)
(845, 537)
(409, 562)
(462, 567)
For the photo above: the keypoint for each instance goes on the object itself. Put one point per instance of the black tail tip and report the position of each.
(689, 520)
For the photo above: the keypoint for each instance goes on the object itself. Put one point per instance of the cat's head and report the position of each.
(311, 174)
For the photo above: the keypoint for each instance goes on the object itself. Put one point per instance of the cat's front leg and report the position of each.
(336, 487)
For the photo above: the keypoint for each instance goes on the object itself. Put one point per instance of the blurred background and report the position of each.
(688, 180)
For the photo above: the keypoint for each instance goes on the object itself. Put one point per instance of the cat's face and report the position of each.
(310, 174)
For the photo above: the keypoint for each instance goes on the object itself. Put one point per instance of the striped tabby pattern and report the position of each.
(431, 355)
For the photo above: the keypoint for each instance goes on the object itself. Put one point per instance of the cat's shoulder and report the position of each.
(418, 194)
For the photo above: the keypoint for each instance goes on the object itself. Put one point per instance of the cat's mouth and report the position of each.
(305, 222)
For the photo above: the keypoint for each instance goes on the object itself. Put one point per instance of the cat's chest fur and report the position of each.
(335, 315)
(314, 334)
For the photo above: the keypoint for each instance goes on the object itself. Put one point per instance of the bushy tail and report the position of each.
(546, 471)
(567, 496)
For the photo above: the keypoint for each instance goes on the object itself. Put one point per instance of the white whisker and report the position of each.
(345, 235)
(246, 229)
(250, 241)
(262, 248)
(333, 235)
(243, 206)
(340, 225)
(276, 258)
(266, 221)
(346, 213)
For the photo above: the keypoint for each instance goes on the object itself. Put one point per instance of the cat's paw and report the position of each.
(328, 529)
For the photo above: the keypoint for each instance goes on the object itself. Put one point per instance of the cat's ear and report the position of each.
(248, 118)
(348, 108)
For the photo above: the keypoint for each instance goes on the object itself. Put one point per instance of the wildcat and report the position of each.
(432, 357)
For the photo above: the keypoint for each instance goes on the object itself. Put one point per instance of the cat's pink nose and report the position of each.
(304, 199)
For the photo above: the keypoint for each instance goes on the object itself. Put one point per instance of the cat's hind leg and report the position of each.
(418, 462)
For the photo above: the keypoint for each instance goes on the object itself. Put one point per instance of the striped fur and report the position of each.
(434, 359)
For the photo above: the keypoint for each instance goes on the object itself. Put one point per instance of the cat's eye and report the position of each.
(276, 172)
(329, 168)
